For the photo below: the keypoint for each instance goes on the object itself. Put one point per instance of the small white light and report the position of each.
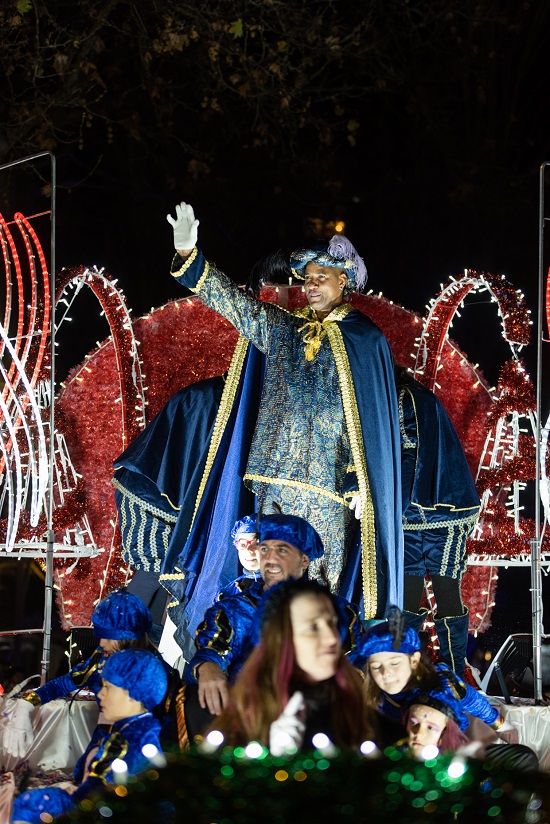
(368, 747)
(429, 752)
(215, 738)
(149, 750)
(320, 741)
(119, 766)
(456, 768)
(254, 750)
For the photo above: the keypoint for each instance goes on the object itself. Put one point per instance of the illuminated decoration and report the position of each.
(183, 342)
(23, 334)
(104, 402)
(507, 457)
(236, 785)
(511, 307)
(113, 306)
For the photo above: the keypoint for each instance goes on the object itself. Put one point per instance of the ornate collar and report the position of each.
(314, 328)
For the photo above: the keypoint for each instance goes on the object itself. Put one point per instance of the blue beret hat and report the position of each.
(293, 530)
(380, 639)
(121, 616)
(140, 672)
(245, 526)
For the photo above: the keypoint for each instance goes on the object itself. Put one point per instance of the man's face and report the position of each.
(247, 548)
(280, 561)
(324, 287)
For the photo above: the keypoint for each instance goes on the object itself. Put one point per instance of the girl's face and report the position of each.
(109, 646)
(315, 635)
(391, 671)
(425, 727)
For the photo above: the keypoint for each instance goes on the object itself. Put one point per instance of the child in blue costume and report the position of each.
(245, 540)
(133, 683)
(397, 677)
(395, 671)
(120, 620)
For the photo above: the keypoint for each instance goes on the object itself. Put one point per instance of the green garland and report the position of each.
(230, 787)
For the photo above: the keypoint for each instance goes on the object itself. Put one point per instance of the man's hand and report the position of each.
(213, 688)
(286, 734)
(18, 733)
(356, 506)
(185, 227)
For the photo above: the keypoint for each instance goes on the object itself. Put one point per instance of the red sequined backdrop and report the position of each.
(183, 342)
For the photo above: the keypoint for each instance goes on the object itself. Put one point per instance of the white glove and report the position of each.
(287, 732)
(18, 733)
(356, 505)
(185, 226)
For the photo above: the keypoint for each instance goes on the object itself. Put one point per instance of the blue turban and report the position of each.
(339, 253)
(246, 526)
(293, 530)
(380, 639)
(445, 702)
(121, 616)
(140, 672)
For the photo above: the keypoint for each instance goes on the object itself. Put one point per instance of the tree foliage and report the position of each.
(177, 76)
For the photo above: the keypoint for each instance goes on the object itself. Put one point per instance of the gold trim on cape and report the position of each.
(186, 263)
(295, 484)
(226, 405)
(353, 423)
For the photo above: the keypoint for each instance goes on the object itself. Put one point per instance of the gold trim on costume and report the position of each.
(33, 699)
(353, 423)
(295, 484)
(468, 519)
(145, 505)
(172, 576)
(406, 441)
(226, 405)
(201, 280)
(186, 264)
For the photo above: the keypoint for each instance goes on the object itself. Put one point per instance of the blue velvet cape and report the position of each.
(224, 497)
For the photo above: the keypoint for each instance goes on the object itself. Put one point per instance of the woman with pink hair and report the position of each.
(297, 682)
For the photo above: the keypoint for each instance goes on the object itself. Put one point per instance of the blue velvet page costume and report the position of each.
(157, 477)
(303, 446)
(87, 674)
(470, 700)
(240, 584)
(439, 495)
(124, 740)
(228, 633)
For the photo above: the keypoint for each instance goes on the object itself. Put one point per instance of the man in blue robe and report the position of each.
(322, 440)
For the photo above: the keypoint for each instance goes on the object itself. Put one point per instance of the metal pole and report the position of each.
(536, 572)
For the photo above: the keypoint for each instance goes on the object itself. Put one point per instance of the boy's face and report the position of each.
(116, 704)
(247, 548)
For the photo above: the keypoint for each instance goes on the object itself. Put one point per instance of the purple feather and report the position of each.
(340, 247)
